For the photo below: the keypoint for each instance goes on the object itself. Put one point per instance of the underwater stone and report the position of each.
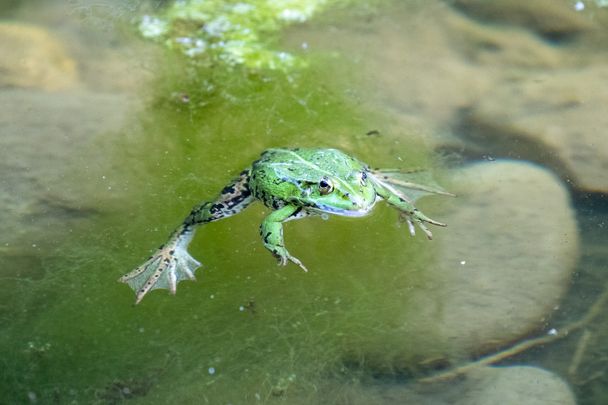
(515, 385)
(34, 58)
(33, 191)
(486, 385)
(513, 225)
(554, 120)
(500, 268)
(497, 272)
(552, 19)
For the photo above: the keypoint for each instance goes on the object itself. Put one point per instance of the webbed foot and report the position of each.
(418, 218)
(169, 265)
(284, 257)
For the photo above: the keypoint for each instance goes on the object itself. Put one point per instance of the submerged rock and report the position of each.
(515, 385)
(427, 78)
(497, 47)
(487, 385)
(553, 19)
(33, 58)
(507, 257)
(554, 120)
(500, 269)
(44, 134)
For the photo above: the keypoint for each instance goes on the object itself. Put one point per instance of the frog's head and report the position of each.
(350, 194)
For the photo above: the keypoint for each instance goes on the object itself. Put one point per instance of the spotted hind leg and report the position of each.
(172, 263)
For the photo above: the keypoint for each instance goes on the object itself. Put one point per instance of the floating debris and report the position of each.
(235, 34)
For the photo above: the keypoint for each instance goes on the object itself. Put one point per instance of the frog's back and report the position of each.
(281, 175)
(323, 159)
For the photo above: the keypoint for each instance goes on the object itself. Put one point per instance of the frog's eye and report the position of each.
(325, 186)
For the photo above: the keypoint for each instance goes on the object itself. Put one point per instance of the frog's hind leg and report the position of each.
(172, 263)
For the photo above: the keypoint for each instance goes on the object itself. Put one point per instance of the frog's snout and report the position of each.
(358, 203)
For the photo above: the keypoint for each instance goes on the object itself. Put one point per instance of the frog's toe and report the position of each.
(146, 277)
(297, 261)
(410, 226)
(165, 269)
(426, 230)
(418, 218)
(284, 257)
(185, 264)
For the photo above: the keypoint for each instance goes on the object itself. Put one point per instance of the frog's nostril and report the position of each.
(357, 202)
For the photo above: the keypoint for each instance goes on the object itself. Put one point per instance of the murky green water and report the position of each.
(101, 166)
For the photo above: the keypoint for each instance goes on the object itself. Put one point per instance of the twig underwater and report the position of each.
(522, 346)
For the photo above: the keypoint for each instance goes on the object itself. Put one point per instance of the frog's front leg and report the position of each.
(172, 263)
(407, 210)
(271, 231)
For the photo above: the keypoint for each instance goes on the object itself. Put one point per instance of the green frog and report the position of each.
(294, 183)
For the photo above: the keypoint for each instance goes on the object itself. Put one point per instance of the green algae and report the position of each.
(233, 32)
(248, 331)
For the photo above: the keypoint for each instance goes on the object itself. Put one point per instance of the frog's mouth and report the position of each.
(322, 208)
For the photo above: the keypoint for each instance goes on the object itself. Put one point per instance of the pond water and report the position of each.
(109, 139)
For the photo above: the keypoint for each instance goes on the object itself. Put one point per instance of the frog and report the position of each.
(293, 183)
